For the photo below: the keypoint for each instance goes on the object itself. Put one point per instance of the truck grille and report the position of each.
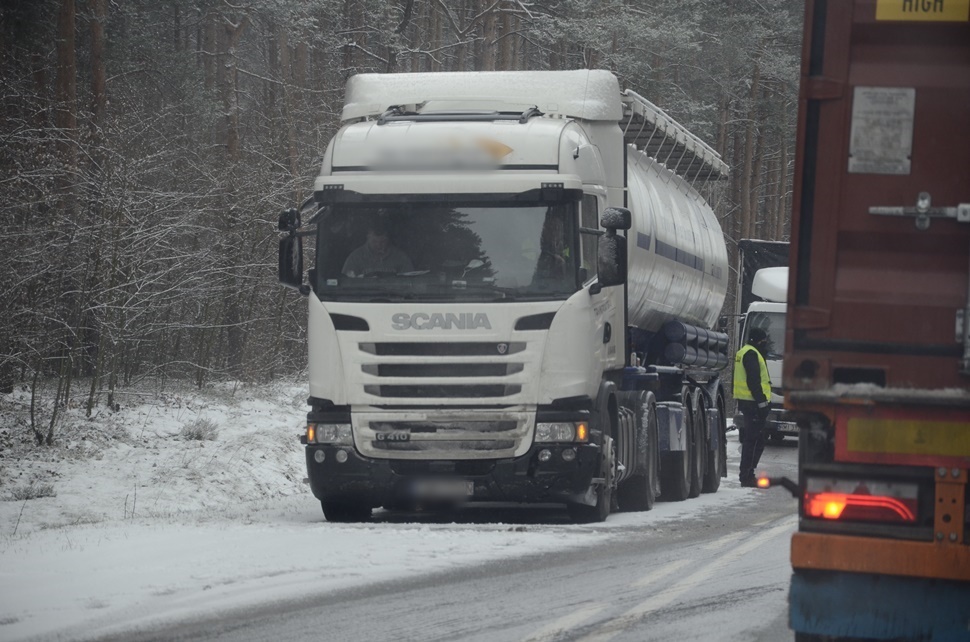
(467, 436)
(444, 428)
(442, 369)
(462, 349)
(440, 400)
(444, 390)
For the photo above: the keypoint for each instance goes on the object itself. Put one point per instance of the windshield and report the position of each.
(454, 251)
(772, 323)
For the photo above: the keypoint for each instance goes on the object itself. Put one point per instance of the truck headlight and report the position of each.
(329, 434)
(562, 431)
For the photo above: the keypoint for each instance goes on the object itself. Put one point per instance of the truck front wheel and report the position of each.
(345, 511)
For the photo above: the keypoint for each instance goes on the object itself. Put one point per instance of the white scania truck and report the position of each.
(511, 297)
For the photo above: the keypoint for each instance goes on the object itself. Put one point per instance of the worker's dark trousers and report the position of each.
(752, 435)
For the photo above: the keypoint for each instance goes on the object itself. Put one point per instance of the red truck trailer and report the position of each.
(877, 363)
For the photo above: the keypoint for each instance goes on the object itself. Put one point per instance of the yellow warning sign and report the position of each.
(923, 10)
(909, 437)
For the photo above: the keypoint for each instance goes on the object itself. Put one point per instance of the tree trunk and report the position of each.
(66, 95)
(233, 31)
(209, 49)
(289, 104)
(757, 221)
(747, 215)
(782, 217)
(504, 60)
(99, 97)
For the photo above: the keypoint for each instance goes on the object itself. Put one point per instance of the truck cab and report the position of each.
(767, 312)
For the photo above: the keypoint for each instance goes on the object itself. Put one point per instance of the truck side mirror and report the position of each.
(291, 263)
(289, 220)
(616, 218)
(611, 259)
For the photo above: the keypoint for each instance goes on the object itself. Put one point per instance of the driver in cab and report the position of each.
(377, 255)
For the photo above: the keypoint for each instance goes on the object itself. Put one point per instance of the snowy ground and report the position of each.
(128, 522)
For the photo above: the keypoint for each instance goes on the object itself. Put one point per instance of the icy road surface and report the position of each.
(155, 536)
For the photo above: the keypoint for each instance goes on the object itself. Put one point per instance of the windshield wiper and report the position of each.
(375, 295)
(507, 293)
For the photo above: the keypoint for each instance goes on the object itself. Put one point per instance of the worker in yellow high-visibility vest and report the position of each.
(752, 391)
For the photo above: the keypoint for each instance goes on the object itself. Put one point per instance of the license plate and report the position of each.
(787, 427)
(393, 435)
(443, 489)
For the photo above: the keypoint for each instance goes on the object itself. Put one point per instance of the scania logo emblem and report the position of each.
(441, 321)
(502, 348)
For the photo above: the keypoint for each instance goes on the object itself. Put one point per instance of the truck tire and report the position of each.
(639, 492)
(698, 445)
(344, 511)
(717, 461)
(675, 466)
(584, 514)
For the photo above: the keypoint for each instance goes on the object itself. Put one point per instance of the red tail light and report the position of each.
(868, 501)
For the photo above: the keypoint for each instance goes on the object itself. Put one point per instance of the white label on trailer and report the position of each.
(882, 130)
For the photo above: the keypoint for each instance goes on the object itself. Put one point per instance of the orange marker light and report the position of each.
(582, 431)
(311, 433)
(763, 482)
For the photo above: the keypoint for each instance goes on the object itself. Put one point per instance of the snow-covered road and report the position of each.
(196, 545)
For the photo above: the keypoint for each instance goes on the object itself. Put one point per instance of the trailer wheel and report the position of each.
(639, 492)
(698, 459)
(675, 466)
(344, 511)
(717, 461)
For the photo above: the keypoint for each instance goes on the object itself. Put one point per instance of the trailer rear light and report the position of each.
(861, 500)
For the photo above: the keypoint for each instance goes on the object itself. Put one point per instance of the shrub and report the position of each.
(33, 490)
(200, 430)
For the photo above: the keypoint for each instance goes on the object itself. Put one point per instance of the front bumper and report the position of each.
(378, 482)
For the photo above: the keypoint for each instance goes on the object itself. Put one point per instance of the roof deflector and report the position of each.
(399, 113)
(662, 138)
